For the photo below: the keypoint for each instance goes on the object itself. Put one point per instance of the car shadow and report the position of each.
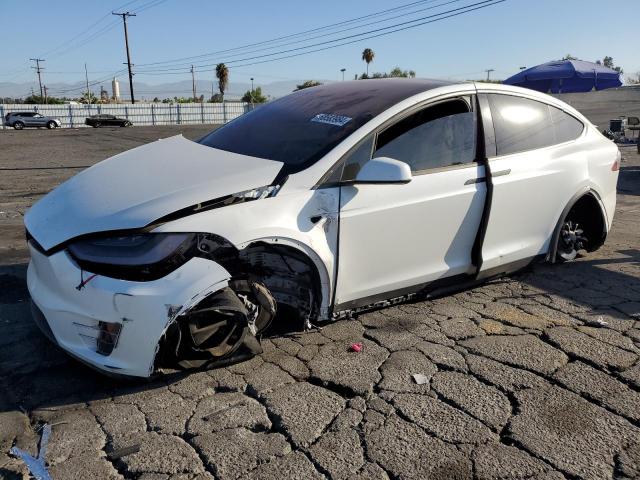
(35, 374)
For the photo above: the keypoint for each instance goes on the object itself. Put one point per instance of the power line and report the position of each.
(293, 35)
(324, 35)
(379, 32)
(97, 22)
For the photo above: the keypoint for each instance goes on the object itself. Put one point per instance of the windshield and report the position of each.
(301, 128)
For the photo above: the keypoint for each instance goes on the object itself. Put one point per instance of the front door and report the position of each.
(394, 239)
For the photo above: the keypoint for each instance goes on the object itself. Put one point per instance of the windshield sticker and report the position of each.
(337, 120)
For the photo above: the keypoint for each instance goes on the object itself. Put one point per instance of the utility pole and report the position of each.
(343, 70)
(193, 84)
(126, 42)
(489, 73)
(38, 69)
(45, 93)
(251, 90)
(86, 78)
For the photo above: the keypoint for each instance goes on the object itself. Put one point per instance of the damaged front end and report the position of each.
(135, 303)
(226, 325)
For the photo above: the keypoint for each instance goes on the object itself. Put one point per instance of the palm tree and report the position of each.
(368, 55)
(222, 73)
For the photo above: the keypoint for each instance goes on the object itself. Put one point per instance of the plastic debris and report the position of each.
(355, 347)
(420, 379)
(600, 321)
(36, 466)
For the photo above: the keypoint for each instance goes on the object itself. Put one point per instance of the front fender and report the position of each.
(305, 220)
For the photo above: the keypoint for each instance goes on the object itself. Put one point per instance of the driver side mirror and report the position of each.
(384, 170)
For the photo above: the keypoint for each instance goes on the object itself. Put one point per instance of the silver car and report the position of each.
(19, 120)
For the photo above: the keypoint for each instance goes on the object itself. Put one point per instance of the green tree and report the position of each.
(217, 98)
(254, 96)
(88, 97)
(568, 56)
(307, 84)
(367, 56)
(38, 100)
(608, 62)
(222, 74)
(397, 72)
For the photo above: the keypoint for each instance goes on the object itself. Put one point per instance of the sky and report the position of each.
(503, 37)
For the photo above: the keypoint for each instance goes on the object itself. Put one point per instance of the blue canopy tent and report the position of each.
(565, 76)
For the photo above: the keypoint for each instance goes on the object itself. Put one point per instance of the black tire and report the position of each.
(18, 125)
(51, 125)
(126, 124)
(96, 125)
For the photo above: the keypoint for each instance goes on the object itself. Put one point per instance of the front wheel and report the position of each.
(96, 125)
(18, 125)
(51, 125)
(570, 241)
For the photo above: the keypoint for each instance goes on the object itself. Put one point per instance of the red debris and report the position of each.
(355, 347)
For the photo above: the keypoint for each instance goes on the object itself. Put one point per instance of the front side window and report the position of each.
(520, 124)
(437, 136)
(301, 128)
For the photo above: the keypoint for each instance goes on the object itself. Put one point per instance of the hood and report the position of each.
(137, 187)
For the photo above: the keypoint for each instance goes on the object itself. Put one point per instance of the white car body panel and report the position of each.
(283, 219)
(366, 241)
(137, 187)
(421, 232)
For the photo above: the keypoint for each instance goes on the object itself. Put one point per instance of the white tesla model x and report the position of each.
(316, 206)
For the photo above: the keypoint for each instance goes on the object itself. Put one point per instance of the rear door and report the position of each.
(395, 239)
(27, 119)
(534, 171)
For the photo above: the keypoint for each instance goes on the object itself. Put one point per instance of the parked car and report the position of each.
(20, 120)
(102, 120)
(319, 205)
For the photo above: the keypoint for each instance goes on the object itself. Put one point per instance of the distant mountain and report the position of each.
(145, 91)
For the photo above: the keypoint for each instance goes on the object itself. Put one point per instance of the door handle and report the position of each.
(501, 173)
(471, 181)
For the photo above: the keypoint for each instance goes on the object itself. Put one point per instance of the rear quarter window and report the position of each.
(566, 127)
(520, 124)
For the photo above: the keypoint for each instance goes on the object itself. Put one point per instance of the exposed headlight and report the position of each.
(138, 257)
(258, 193)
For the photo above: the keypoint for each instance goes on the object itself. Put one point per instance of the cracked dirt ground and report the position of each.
(536, 376)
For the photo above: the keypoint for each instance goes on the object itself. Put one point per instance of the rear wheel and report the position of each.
(570, 241)
(51, 125)
(96, 125)
(18, 125)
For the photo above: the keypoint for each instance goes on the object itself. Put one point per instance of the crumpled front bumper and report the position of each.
(144, 309)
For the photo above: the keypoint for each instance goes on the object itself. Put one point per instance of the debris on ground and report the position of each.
(420, 379)
(355, 347)
(123, 452)
(36, 465)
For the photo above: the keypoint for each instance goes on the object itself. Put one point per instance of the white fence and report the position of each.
(73, 116)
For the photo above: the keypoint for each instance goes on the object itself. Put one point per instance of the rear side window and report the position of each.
(25, 114)
(520, 124)
(438, 136)
(566, 127)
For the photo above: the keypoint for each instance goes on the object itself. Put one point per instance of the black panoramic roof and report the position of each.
(374, 95)
(300, 128)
